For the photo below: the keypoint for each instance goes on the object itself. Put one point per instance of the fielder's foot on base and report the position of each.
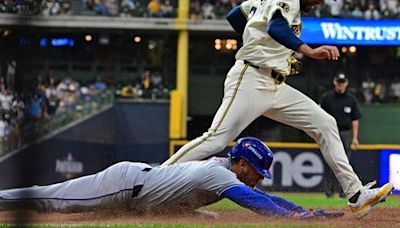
(369, 198)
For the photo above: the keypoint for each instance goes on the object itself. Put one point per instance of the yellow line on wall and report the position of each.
(295, 145)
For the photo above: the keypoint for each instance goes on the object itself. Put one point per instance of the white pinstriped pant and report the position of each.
(249, 93)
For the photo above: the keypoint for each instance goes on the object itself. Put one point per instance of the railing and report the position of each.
(34, 131)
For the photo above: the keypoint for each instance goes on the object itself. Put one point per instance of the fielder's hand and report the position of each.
(323, 52)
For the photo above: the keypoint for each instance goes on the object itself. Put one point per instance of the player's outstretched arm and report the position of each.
(258, 202)
(282, 202)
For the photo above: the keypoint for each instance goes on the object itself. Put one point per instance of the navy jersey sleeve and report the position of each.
(237, 19)
(278, 28)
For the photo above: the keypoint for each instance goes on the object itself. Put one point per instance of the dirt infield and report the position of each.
(379, 217)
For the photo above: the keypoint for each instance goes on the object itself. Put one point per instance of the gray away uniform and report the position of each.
(185, 186)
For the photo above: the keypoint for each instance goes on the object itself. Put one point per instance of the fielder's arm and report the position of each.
(278, 28)
(237, 19)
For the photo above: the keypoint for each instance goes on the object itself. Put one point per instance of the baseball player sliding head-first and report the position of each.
(255, 86)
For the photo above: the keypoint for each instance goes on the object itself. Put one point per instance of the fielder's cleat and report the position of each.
(369, 198)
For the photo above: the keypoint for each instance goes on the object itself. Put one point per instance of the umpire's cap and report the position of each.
(255, 152)
(340, 77)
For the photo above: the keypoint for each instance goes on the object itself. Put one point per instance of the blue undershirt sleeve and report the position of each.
(237, 19)
(283, 202)
(279, 30)
(258, 202)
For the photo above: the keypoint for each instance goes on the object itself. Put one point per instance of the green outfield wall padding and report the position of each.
(380, 124)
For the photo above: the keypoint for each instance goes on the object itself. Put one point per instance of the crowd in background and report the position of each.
(49, 96)
(199, 9)
(380, 91)
(149, 86)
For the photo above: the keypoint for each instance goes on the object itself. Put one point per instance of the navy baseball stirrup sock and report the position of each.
(354, 198)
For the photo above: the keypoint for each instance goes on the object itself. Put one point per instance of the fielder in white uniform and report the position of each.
(183, 187)
(255, 86)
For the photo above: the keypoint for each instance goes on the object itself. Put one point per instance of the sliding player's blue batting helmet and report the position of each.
(255, 152)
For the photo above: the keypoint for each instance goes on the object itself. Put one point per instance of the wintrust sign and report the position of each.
(351, 32)
(359, 33)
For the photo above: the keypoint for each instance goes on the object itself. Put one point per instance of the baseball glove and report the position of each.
(295, 66)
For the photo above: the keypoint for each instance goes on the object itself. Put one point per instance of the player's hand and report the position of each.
(326, 214)
(354, 143)
(302, 215)
(323, 52)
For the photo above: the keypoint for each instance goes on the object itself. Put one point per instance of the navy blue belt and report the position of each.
(136, 189)
(279, 78)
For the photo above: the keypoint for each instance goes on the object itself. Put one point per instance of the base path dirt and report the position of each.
(379, 217)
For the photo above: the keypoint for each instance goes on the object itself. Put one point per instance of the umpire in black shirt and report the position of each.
(343, 107)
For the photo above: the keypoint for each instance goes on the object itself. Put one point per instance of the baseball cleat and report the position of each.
(369, 198)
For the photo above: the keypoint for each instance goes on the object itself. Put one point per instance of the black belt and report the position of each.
(136, 189)
(279, 78)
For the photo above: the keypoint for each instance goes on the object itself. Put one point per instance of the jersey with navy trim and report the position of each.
(258, 47)
(186, 185)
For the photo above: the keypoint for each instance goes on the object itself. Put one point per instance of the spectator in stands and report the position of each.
(371, 13)
(6, 101)
(46, 6)
(389, 8)
(86, 93)
(335, 7)
(379, 91)
(100, 8)
(207, 10)
(99, 84)
(3, 127)
(126, 8)
(7, 6)
(52, 104)
(167, 10)
(66, 7)
(156, 80)
(357, 13)
(395, 90)
(154, 8)
(367, 87)
(146, 80)
(55, 8)
(346, 10)
(195, 10)
(129, 91)
(112, 7)
(18, 108)
(35, 108)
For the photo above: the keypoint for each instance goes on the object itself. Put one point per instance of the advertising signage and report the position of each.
(390, 168)
(351, 32)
